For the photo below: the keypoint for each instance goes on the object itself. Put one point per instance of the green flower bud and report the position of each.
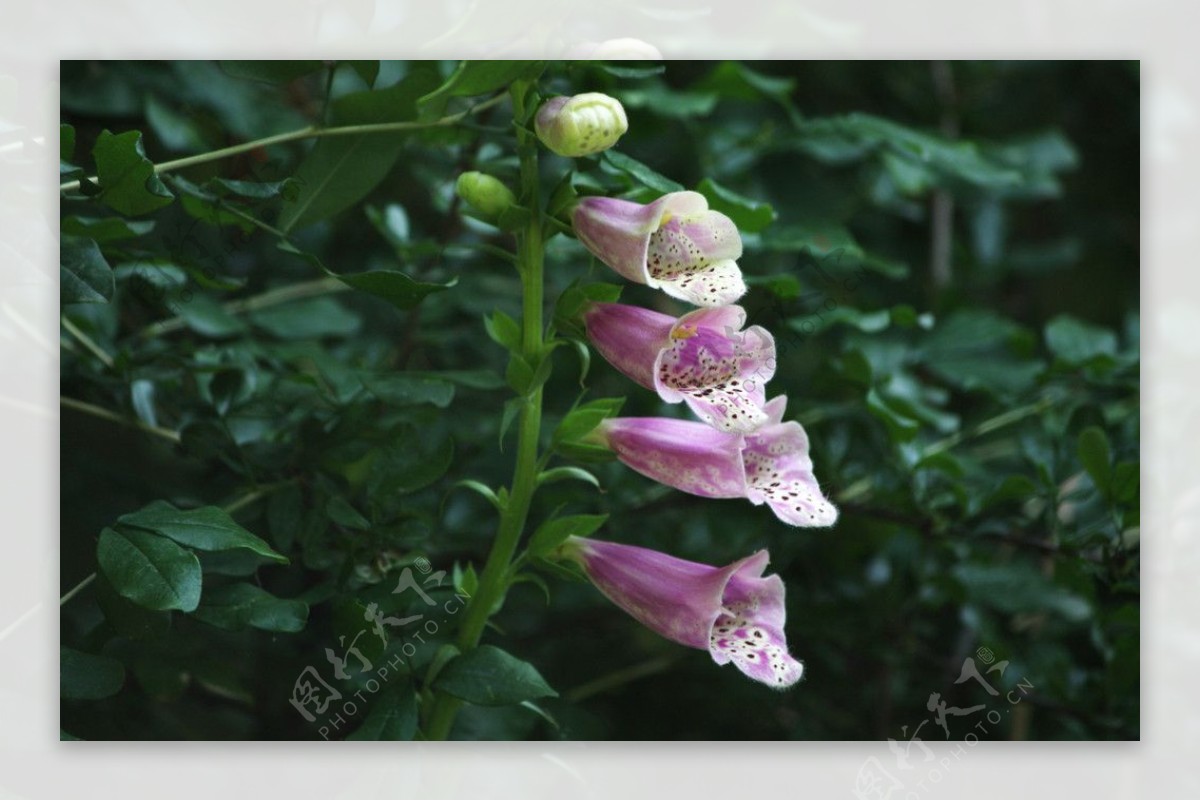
(581, 125)
(485, 194)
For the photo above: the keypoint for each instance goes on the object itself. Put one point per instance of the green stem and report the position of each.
(272, 297)
(87, 342)
(105, 414)
(311, 132)
(989, 425)
(493, 581)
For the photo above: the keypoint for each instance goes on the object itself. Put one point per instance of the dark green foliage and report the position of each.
(315, 352)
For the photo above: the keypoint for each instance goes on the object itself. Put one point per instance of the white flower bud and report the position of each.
(581, 125)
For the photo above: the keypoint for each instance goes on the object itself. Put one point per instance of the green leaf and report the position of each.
(821, 239)
(567, 474)
(489, 676)
(207, 529)
(901, 427)
(393, 286)
(639, 172)
(582, 420)
(670, 103)
(311, 318)
(340, 170)
(105, 229)
(473, 78)
(1019, 587)
(127, 618)
(85, 275)
(1095, 455)
(552, 533)
(88, 677)
(341, 512)
(176, 130)
(482, 489)
(400, 389)
(209, 318)
(1076, 342)
(127, 180)
(1126, 481)
(503, 330)
(393, 716)
(271, 71)
(972, 349)
(748, 215)
(150, 570)
(241, 605)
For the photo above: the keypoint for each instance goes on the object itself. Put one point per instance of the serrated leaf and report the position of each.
(85, 275)
(150, 570)
(237, 606)
(127, 179)
(88, 677)
(206, 528)
(489, 676)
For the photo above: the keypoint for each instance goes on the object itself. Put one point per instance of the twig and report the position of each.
(105, 414)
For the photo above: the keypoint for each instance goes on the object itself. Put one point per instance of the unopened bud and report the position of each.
(485, 194)
(581, 125)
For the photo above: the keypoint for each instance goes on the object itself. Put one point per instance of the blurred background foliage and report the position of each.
(947, 254)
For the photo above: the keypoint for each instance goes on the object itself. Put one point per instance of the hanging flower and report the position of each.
(676, 244)
(581, 125)
(702, 358)
(734, 612)
(770, 466)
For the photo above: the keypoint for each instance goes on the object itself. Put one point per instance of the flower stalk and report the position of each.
(493, 580)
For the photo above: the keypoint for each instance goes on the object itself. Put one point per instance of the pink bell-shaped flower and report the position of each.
(770, 466)
(703, 359)
(733, 612)
(676, 244)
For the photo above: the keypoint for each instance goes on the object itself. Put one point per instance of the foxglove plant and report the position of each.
(707, 359)
(733, 612)
(676, 244)
(703, 359)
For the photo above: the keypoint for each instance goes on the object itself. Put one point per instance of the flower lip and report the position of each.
(733, 612)
(676, 244)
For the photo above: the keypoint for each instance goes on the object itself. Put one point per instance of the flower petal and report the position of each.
(692, 258)
(749, 631)
(629, 337)
(676, 244)
(779, 473)
(673, 597)
(688, 456)
(721, 375)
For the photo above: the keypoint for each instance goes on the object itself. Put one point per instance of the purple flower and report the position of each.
(734, 612)
(703, 359)
(676, 244)
(770, 466)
